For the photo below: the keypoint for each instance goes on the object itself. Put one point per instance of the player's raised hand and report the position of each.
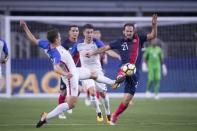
(22, 23)
(154, 19)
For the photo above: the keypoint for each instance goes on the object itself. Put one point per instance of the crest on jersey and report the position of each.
(134, 40)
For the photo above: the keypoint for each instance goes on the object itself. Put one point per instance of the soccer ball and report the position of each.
(129, 69)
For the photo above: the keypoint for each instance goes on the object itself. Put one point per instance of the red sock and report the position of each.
(120, 73)
(120, 109)
(61, 99)
(97, 94)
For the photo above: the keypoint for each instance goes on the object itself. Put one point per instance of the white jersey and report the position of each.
(59, 55)
(93, 62)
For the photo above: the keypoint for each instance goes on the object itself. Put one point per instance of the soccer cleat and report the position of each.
(119, 79)
(62, 116)
(114, 118)
(108, 118)
(99, 117)
(87, 102)
(42, 120)
(70, 111)
(148, 94)
(157, 97)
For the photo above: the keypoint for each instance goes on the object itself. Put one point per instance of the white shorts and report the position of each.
(92, 83)
(72, 83)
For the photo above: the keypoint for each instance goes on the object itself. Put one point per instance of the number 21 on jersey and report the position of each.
(124, 46)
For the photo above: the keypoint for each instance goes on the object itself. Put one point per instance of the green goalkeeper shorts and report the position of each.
(154, 74)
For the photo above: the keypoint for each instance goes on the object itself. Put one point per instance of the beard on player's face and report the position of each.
(128, 36)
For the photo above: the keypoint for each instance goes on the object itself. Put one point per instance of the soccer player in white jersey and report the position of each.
(64, 65)
(3, 49)
(93, 63)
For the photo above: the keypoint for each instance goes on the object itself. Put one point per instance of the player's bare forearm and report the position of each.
(59, 70)
(101, 50)
(30, 36)
(153, 33)
(113, 54)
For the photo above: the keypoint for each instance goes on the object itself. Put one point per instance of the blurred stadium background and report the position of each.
(28, 72)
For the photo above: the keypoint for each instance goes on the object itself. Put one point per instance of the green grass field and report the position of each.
(144, 115)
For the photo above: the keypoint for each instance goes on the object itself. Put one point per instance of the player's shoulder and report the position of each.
(117, 40)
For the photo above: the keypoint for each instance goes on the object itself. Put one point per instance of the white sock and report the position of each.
(105, 80)
(58, 110)
(95, 103)
(106, 105)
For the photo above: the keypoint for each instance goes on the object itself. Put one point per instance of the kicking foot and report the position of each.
(42, 120)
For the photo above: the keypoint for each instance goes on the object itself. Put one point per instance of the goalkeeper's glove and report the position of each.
(144, 67)
(164, 70)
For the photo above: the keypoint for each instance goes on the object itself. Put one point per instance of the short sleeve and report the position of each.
(99, 43)
(55, 57)
(56, 60)
(161, 52)
(113, 44)
(44, 44)
(5, 48)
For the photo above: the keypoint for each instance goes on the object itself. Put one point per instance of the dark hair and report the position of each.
(70, 26)
(88, 26)
(52, 34)
(128, 24)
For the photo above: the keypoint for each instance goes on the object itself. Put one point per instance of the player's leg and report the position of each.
(90, 85)
(129, 91)
(87, 99)
(157, 82)
(102, 89)
(62, 97)
(88, 74)
(72, 85)
(150, 82)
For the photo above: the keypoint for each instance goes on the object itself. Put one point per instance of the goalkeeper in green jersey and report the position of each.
(153, 62)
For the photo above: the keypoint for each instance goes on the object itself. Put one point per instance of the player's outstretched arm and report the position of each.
(99, 51)
(153, 33)
(30, 36)
(113, 54)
